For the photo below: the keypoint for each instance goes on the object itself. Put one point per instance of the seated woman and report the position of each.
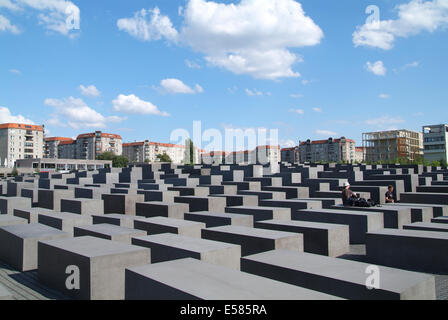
(348, 195)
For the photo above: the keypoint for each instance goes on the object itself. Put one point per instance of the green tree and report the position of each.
(14, 172)
(435, 163)
(117, 161)
(189, 152)
(164, 158)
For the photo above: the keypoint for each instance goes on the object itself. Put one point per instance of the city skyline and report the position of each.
(142, 74)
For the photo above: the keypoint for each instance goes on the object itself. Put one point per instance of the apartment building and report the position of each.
(147, 151)
(20, 141)
(435, 139)
(392, 145)
(90, 145)
(359, 154)
(51, 146)
(331, 150)
(260, 155)
(290, 155)
(67, 149)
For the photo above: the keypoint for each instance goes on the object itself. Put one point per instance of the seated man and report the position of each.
(390, 195)
(348, 195)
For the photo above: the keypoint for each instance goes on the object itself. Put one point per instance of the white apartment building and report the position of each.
(20, 141)
(331, 150)
(90, 145)
(435, 141)
(146, 151)
(260, 155)
(51, 146)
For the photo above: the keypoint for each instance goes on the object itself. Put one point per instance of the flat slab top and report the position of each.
(339, 211)
(162, 203)
(220, 215)
(33, 231)
(8, 218)
(65, 216)
(82, 200)
(186, 243)
(15, 199)
(171, 222)
(305, 224)
(419, 205)
(212, 282)
(93, 247)
(441, 226)
(115, 216)
(110, 229)
(292, 200)
(411, 233)
(441, 218)
(439, 194)
(253, 232)
(4, 294)
(37, 210)
(381, 208)
(391, 279)
(260, 208)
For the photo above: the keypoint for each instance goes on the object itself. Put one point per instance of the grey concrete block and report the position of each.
(161, 209)
(294, 205)
(262, 213)
(191, 279)
(418, 214)
(8, 204)
(51, 199)
(213, 204)
(424, 197)
(254, 240)
(359, 222)
(121, 203)
(101, 264)
(108, 232)
(159, 225)
(394, 216)
(120, 220)
(291, 192)
(32, 214)
(64, 221)
(168, 246)
(9, 220)
(21, 249)
(83, 207)
(339, 277)
(427, 226)
(440, 220)
(239, 200)
(212, 219)
(5, 294)
(439, 210)
(319, 238)
(409, 249)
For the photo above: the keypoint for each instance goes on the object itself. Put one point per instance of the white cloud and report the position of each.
(414, 17)
(149, 25)
(76, 114)
(318, 110)
(251, 37)
(192, 64)
(287, 143)
(9, 5)
(176, 86)
(253, 93)
(384, 96)
(15, 71)
(7, 117)
(377, 68)
(385, 122)
(326, 133)
(305, 82)
(90, 91)
(296, 95)
(298, 111)
(56, 15)
(134, 105)
(233, 90)
(6, 25)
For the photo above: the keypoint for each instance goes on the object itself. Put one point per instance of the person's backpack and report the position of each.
(363, 203)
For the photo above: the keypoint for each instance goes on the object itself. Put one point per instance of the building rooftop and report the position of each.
(21, 126)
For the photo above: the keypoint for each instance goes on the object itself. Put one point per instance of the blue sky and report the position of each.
(268, 64)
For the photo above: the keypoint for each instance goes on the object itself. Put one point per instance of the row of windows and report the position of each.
(435, 139)
(435, 147)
